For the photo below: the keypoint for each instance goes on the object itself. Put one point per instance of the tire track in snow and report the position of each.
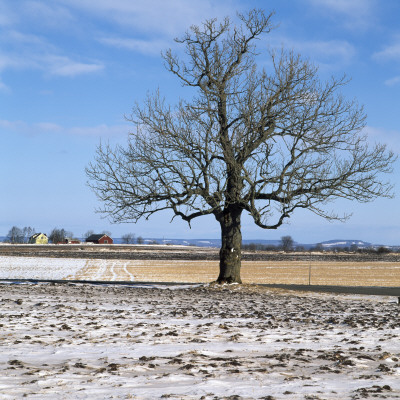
(114, 275)
(102, 269)
(130, 275)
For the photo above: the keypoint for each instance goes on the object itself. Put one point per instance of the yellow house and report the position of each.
(39, 238)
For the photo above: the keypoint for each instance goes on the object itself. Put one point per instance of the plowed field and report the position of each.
(363, 273)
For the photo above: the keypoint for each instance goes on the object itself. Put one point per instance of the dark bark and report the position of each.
(230, 253)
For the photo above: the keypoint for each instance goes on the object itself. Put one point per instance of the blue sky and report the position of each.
(70, 70)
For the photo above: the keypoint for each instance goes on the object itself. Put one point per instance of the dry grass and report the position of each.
(291, 272)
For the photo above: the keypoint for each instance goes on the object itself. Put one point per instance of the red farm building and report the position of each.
(99, 239)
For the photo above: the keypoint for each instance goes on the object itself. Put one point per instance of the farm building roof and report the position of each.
(95, 237)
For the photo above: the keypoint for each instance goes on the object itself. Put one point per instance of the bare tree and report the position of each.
(287, 243)
(28, 231)
(18, 235)
(88, 233)
(15, 235)
(59, 235)
(261, 141)
(128, 238)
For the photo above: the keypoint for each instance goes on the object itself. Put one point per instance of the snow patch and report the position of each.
(39, 267)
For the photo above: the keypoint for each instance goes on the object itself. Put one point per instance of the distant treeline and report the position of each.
(318, 248)
(287, 244)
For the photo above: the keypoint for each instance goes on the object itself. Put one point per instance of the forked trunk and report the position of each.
(230, 253)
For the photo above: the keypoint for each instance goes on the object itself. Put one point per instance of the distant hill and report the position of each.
(203, 242)
(338, 243)
(329, 244)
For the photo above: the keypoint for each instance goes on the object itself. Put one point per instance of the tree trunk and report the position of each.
(230, 253)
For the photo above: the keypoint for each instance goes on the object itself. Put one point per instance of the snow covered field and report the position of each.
(64, 268)
(365, 273)
(39, 267)
(77, 341)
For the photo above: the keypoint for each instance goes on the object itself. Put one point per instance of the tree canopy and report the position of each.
(265, 141)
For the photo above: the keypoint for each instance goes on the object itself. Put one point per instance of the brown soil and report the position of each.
(162, 252)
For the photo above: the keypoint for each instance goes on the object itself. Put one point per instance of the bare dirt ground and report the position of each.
(166, 252)
(68, 341)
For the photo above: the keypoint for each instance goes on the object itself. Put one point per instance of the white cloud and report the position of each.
(393, 81)
(151, 46)
(148, 28)
(332, 49)
(22, 51)
(4, 87)
(391, 52)
(8, 61)
(50, 128)
(47, 13)
(28, 51)
(13, 126)
(385, 136)
(391, 55)
(49, 64)
(25, 50)
(102, 130)
(73, 69)
(345, 7)
(24, 39)
(36, 13)
(7, 16)
(63, 66)
(331, 54)
(47, 127)
(155, 16)
(354, 14)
